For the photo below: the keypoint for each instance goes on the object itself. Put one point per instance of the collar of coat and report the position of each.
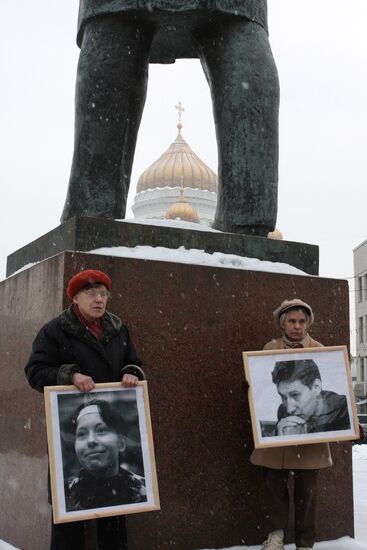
(111, 325)
(305, 343)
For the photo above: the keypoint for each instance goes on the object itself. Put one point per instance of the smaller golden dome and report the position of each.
(276, 234)
(182, 210)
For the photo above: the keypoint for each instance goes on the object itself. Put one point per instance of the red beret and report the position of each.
(85, 278)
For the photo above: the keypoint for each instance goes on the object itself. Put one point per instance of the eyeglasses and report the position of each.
(94, 292)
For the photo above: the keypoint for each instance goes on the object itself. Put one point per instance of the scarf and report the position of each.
(305, 343)
(95, 327)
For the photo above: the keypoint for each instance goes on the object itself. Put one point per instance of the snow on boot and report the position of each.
(273, 542)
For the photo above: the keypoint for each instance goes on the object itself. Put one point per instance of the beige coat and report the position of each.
(295, 457)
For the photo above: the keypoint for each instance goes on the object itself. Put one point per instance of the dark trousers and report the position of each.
(111, 535)
(305, 501)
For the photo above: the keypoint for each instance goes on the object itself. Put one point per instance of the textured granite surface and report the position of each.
(190, 325)
(85, 234)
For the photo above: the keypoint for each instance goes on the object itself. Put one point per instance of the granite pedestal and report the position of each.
(190, 325)
(84, 234)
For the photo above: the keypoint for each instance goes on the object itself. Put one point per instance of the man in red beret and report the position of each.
(85, 345)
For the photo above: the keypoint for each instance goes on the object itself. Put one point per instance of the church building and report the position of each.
(178, 185)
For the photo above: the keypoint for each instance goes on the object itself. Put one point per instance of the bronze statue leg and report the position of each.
(243, 80)
(110, 96)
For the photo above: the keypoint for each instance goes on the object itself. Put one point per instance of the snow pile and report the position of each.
(360, 493)
(345, 543)
(182, 255)
(359, 452)
(192, 256)
(6, 546)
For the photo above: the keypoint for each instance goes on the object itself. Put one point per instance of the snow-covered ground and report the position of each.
(360, 512)
(360, 492)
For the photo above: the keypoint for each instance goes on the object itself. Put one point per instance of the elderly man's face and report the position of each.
(295, 325)
(299, 399)
(92, 302)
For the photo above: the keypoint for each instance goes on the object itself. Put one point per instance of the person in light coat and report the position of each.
(294, 318)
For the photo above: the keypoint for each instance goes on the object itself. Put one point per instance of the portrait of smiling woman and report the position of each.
(96, 435)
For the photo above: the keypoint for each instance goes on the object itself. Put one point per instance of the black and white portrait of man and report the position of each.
(305, 407)
(300, 396)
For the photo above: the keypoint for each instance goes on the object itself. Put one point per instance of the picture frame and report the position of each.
(101, 452)
(311, 399)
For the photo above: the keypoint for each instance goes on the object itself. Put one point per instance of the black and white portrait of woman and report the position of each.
(102, 458)
(100, 443)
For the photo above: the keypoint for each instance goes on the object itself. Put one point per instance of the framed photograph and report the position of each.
(300, 396)
(101, 452)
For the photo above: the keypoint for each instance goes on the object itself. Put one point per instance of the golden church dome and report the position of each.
(179, 167)
(182, 210)
(179, 161)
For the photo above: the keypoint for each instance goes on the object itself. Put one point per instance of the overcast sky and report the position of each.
(320, 47)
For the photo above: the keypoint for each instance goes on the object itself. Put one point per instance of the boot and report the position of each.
(273, 542)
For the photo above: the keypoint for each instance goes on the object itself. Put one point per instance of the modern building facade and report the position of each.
(360, 282)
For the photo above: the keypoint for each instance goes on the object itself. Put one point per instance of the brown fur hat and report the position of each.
(292, 304)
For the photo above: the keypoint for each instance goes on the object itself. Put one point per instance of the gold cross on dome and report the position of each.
(180, 110)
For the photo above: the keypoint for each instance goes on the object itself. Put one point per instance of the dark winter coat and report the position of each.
(184, 14)
(65, 346)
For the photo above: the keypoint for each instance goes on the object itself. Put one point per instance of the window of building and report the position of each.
(365, 327)
(360, 289)
(360, 330)
(361, 369)
(365, 286)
